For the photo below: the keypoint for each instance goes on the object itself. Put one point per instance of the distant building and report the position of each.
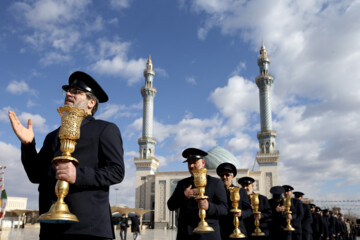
(153, 188)
(14, 215)
(16, 203)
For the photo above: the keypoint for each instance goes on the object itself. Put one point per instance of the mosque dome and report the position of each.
(218, 155)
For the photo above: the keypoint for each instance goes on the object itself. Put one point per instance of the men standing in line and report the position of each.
(307, 218)
(326, 223)
(227, 172)
(278, 222)
(297, 212)
(100, 154)
(264, 217)
(317, 224)
(183, 199)
(332, 226)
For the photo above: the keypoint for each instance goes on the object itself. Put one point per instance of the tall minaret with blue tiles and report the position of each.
(146, 164)
(268, 156)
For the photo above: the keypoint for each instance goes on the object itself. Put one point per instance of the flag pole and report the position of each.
(2, 180)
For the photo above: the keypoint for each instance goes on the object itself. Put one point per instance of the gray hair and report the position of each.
(90, 96)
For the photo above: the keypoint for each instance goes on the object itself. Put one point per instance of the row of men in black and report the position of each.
(329, 225)
(272, 218)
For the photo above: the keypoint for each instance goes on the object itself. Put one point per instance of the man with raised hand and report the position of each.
(100, 154)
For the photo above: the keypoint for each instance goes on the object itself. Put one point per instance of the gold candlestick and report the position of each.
(287, 204)
(200, 183)
(235, 198)
(71, 118)
(254, 198)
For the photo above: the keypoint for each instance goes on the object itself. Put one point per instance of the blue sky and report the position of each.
(204, 54)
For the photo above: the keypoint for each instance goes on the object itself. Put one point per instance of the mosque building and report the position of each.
(154, 188)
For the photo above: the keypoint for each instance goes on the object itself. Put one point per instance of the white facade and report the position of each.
(14, 203)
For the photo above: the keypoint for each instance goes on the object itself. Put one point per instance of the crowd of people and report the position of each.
(283, 217)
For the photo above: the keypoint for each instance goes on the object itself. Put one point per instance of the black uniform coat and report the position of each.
(317, 226)
(297, 216)
(227, 222)
(100, 154)
(326, 233)
(135, 224)
(306, 223)
(266, 217)
(278, 222)
(189, 211)
(332, 226)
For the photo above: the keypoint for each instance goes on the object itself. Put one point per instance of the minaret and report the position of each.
(268, 156)
(146, 164)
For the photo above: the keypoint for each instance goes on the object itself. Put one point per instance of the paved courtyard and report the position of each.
(33, 234)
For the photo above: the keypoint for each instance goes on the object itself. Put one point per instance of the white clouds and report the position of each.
(120, 4)
(237, 101)
(53, 58)
(4, 114)
(113, 61)
(30, 104)
(242, 142)
(240, 67)
(314, 50)
(193, 132)
(58, 36)
(19, 87)
(39, 123)
(191, 80)
(118, 66)
(44, 13)
(117, 111)
(55, 30)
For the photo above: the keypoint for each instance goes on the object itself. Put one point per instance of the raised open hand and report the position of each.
(25, 135)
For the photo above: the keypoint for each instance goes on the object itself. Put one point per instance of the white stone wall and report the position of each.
(16, 203)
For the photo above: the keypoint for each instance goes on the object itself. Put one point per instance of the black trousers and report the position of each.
(123, 232)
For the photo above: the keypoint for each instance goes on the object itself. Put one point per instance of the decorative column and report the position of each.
(146, 164)
(268, 156)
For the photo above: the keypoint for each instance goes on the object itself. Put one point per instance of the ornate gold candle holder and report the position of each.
(254, 198)
(287, 204)
(235, 198)
(200, 183)
(71, 118)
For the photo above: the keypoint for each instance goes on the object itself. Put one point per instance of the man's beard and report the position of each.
(79, 105)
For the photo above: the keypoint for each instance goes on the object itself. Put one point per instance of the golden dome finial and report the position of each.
(149, 65)
(263, 49)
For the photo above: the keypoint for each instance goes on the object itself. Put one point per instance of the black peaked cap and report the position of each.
(85, 82)
(246, 180)
(226, 166)
(298, 194)
(192, 154)
(277, 190)
(288, 188)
